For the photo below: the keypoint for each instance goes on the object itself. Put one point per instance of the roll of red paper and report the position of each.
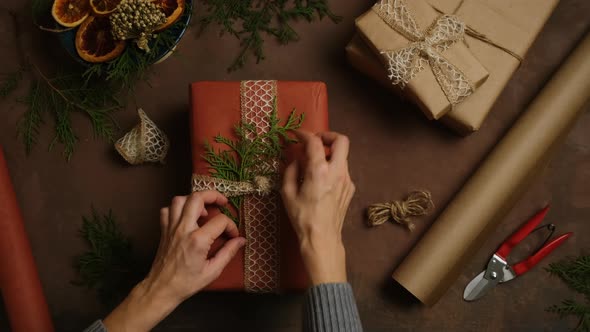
(19, 280)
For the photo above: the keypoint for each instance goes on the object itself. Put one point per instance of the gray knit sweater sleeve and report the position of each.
(331, 307)
(327, 308)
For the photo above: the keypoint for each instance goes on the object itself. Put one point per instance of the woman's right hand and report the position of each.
(317, 205)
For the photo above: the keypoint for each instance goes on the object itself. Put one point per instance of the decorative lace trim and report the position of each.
(144, 143)
(261, 213)
(260, 186)
(425, 49)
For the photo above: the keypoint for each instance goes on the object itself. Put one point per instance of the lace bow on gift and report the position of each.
(260, 185)
(425, 49)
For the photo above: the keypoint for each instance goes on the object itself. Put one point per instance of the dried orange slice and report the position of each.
(104, 7)
(173, 9)
(95, 42)
(70, 13)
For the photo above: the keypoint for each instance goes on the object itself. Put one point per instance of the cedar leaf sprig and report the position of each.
(575, 272)
(250, 20)
(241, 161)
(9, 82)
(110, 265)
(60, 97)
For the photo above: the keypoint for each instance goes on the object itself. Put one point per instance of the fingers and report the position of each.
(164, 221)
(225, 255)
(176, 211)
(206, 235)
(290, 175)
(339, 145)
(165, 229)
(314, 148)
(194, 206)
(218, 225)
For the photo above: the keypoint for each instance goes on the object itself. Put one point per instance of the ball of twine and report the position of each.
(418, 203)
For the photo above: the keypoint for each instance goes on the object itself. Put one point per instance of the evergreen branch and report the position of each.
(575, 272)
(10, 82)
(571, 308)
(64, 133)
(109, 265)
(247, 20)
(30, 124)
(55, 89)
(242, 158)
(61, 96)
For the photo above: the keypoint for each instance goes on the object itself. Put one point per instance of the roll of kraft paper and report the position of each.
(436, 261)
(19, 281)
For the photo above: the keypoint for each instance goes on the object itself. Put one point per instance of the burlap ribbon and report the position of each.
(259, 217)
(425, 48)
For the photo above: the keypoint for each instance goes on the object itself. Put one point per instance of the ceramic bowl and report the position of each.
(68, 38)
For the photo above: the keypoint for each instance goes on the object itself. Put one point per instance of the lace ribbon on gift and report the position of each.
(425, 49)
(261, 205)
(261, 185)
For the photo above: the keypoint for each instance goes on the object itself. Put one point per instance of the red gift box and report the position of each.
(270, 261)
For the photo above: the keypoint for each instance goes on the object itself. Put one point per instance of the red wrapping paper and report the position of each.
(19, 280)
(216, 109)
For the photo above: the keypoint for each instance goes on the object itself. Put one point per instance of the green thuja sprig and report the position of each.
(250, 20)
(9, 82)
(242, 159)
(575, 272)
(60, 97)
(110, 265)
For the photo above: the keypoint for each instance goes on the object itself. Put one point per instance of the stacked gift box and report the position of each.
(451, 58)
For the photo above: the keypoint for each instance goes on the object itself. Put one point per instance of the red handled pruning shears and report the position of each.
(498, 269)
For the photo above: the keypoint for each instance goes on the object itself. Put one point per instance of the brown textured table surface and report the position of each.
(394, 150)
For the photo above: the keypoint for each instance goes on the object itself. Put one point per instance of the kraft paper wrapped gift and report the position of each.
(512, 25)
(423, 53)
(270, 261)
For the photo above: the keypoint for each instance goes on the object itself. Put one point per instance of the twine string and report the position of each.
(418, 203)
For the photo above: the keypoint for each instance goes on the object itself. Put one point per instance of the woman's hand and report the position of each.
(181, 267)
(317, 205)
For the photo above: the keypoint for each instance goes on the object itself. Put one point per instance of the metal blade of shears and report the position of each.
(486, 280)
(478, 287)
